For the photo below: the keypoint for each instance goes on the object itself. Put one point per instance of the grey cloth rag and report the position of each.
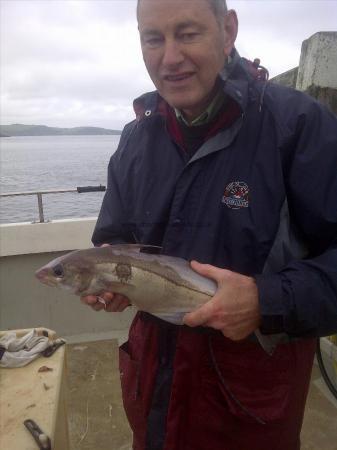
(21, 351)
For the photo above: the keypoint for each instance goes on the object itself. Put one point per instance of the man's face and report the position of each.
(184, 49)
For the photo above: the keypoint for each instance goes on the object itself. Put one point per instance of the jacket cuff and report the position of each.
(271, 303)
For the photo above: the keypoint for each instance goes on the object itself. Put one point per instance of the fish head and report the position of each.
(72, 272)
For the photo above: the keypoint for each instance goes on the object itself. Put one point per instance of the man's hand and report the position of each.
(234, 309)
(113, 302)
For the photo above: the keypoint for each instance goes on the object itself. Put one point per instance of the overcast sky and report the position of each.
(76, 63)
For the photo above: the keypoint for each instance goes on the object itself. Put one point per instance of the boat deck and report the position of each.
(97, 419)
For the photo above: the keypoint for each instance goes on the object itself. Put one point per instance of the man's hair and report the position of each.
(219, 8)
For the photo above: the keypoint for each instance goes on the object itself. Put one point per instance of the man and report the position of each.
(238, 174)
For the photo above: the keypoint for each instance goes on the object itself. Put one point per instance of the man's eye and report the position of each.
(152, 42)
(189, 37)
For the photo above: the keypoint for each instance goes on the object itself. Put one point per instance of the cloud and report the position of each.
(71, 63)
(74, 64)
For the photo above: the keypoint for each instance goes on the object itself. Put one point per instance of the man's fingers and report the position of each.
(108, 296)
(234, 330)
(209, 271)
(200, 316)
(208, 316)
(89, 300)
(98, 306)
(106, 300)
(119, 303)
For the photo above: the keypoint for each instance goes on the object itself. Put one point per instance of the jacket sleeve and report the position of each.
(111, 224)
(301, 299)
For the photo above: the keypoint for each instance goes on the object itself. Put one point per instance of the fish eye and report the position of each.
(58, 271)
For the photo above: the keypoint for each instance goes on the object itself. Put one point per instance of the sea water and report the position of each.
(33, 163)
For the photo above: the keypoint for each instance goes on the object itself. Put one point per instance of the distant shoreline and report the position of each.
(18, 129)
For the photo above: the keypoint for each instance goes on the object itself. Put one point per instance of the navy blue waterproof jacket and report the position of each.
(258, 198)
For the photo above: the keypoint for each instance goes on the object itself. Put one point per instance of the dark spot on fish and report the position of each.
(123, 272)
(58, 271)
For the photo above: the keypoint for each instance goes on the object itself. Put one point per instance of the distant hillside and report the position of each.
(19, 129)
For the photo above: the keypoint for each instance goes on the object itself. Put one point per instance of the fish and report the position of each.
(161, 285)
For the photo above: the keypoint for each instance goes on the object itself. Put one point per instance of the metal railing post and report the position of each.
(39, 200)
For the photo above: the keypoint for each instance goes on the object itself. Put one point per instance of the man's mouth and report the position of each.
(178, 77)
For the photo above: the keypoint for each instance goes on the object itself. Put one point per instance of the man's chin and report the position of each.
(178, 103)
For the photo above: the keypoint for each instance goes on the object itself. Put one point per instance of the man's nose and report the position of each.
(173, 54)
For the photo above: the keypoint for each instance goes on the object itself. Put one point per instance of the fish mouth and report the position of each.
(43, 275)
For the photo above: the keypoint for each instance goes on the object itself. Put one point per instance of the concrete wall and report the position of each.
(318, 62)
(288, 78)
(316, 74)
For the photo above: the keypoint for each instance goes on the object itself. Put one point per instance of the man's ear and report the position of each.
(231, 26)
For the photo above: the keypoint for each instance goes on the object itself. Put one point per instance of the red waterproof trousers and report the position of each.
(224, 395)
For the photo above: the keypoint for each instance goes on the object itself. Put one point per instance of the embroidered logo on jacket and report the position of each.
(236, 195)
